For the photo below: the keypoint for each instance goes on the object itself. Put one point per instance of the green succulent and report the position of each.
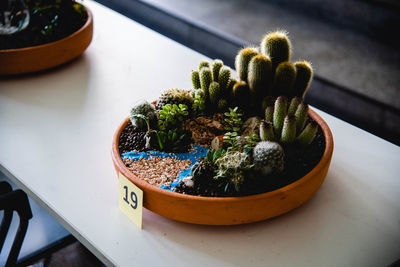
(171, 140)
(233, 119)
(199, 102)
(172, 116)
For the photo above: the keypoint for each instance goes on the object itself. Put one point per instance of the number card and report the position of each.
(130, 200)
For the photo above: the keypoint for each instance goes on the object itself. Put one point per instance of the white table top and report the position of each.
(55, 140)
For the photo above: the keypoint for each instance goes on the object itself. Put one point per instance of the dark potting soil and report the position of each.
(131, 138)
(49, 21)
(298, 162)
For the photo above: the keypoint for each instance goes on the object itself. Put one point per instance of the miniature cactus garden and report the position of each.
(228, 136)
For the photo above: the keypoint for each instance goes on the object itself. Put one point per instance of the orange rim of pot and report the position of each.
(29, 59)
(88, 22)
(326, 157)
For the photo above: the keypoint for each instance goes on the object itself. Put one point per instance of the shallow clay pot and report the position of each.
(230, 210)
(41, 57)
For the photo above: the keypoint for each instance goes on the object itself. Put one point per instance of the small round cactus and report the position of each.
(146, 109)
(268, 157)
(277, 46)
(242, 61)
(259, 75)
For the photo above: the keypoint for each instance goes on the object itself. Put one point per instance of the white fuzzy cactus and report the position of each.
(268, 157)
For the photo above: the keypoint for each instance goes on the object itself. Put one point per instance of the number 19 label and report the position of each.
(130, 200)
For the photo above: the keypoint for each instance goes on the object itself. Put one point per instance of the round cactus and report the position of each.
(147, 110)
(259, 75)
(277, 46)
(242, 61)
(303, 78)
(285, 76)
(268, 157)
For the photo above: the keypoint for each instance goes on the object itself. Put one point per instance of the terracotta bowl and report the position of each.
(230, 210)
(41, 57)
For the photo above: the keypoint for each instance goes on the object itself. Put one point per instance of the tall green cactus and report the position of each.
(216, 66)
(277, 46)
(303, 80)
(205, 81)
(242, 61)
(215, 93)
(204, 63)
(259, 75)
(308, 134)
(285, 76)
(223, 78)
(289, 129)
(280, 111)
(196, 79)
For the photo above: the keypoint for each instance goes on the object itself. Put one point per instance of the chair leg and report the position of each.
(17, 244)
(5, 225)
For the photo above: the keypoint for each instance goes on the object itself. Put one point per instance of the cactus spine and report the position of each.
(277, 46)
(242, 61)
(285, 77)
(216, 66)
(259, 75)
(303, 80)
(196, 79)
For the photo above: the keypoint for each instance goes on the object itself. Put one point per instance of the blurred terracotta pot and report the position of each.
(230, 210)
(41, 57)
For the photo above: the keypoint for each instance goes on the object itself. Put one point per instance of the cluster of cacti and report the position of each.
(269, 72)
(174, 96)
(212, 86)
(284, 122)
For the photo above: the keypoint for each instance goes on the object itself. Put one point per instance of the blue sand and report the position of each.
(194, 155)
